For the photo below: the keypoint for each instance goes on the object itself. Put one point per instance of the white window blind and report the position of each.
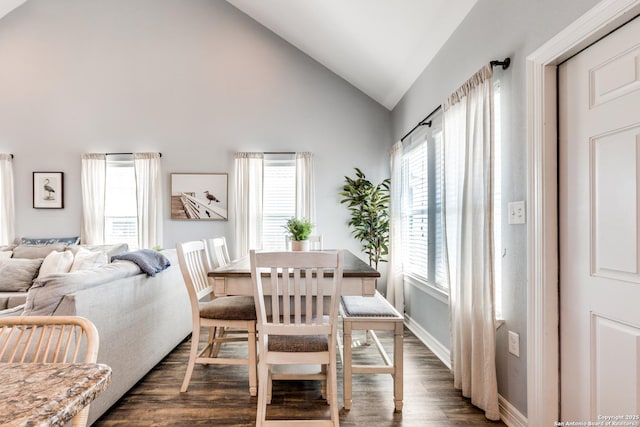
(121, 224)
(279, 198)
(423, 245)
(415, 215)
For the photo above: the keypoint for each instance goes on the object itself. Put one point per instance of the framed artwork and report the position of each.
(199, 196)
(48, 190)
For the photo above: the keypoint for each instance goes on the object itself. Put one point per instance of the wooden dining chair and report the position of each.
(300, 327)
(50, 339)
(209, 311)
(218, 256)
(217, 251)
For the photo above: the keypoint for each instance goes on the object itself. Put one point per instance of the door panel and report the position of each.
(599, 210)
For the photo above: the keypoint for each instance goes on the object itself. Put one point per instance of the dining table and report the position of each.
(358, 277)
(48, 394)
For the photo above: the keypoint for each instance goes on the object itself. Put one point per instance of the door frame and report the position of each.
(543, 376)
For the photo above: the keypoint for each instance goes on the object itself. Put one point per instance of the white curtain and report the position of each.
(395, 287)
(468, 145)
(93, 180)
(7, 206)
(149, 196)
(248, 194)
(305, 187)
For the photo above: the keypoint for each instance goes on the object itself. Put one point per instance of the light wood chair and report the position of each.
(218, 256)
(300, 328)
(370, 314)
(217, 251)
(216, 313)
(50, 339)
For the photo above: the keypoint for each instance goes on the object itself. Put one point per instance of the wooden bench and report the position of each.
(371, 314)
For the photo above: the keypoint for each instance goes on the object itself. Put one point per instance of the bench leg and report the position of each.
(347, 373)
(398, 367)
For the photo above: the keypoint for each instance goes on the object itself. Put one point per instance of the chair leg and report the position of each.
(263, 383)
(269, 387)
(213, 331)
(195, 339)
(332, 392)
(253, 359)
(347, 373)
(323, 383)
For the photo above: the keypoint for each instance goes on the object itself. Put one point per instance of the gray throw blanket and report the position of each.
(149, 261)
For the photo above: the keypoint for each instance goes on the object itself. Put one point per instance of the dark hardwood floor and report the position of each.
(219, 395)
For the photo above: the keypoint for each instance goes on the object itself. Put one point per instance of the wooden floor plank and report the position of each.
(219, 395)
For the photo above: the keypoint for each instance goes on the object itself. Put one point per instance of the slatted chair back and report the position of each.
(217, 251)
(50, 339)
(194, 265)
(305, 280)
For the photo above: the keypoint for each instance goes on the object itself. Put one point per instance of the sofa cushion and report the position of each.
(85, 259)
(56, 262)
(12, 299)
(50, 240)
(16, 275)
(109, 250)
(47, 292)
(36, 251)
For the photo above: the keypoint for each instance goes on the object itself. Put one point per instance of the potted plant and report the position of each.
(369, 208)
(299, 230)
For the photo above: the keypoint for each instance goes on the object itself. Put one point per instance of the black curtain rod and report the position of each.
(422, 122)
(115, 154)
(505, 64)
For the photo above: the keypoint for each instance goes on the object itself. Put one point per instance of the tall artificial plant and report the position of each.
(369, 208)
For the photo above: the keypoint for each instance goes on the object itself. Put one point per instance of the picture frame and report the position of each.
(199, 196)
(48, 190)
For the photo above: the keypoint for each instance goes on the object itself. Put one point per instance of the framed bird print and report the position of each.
(48, 190)
(199, 196)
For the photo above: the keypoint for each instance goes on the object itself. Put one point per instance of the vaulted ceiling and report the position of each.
(7, 6)
(379, 46)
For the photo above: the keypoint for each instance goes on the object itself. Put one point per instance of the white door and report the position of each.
(599, 199)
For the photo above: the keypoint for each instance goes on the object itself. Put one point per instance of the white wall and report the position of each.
(492, 30)
(196, 80)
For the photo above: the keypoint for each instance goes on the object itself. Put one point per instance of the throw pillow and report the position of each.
(16, 275)
(49, 240)
(36, 251)
(56, 262)
(85, 259)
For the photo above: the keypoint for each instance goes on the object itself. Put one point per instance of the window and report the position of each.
(120, 208)
(423, 245)
(279, 198)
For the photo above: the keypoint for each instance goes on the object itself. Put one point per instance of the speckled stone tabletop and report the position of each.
(34, 394)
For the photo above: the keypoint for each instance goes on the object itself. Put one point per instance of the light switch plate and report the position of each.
(514, 343)
(516, 212)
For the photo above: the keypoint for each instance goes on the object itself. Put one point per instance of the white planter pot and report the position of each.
(300, 245)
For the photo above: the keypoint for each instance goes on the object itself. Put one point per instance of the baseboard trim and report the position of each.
(510, 415)
(427, 339)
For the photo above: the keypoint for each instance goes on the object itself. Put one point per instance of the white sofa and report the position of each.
(140, 318)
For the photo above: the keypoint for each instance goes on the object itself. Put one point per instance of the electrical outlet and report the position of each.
(516, 212)
(514, 343)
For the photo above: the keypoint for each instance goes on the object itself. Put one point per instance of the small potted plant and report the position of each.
(299, 230)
